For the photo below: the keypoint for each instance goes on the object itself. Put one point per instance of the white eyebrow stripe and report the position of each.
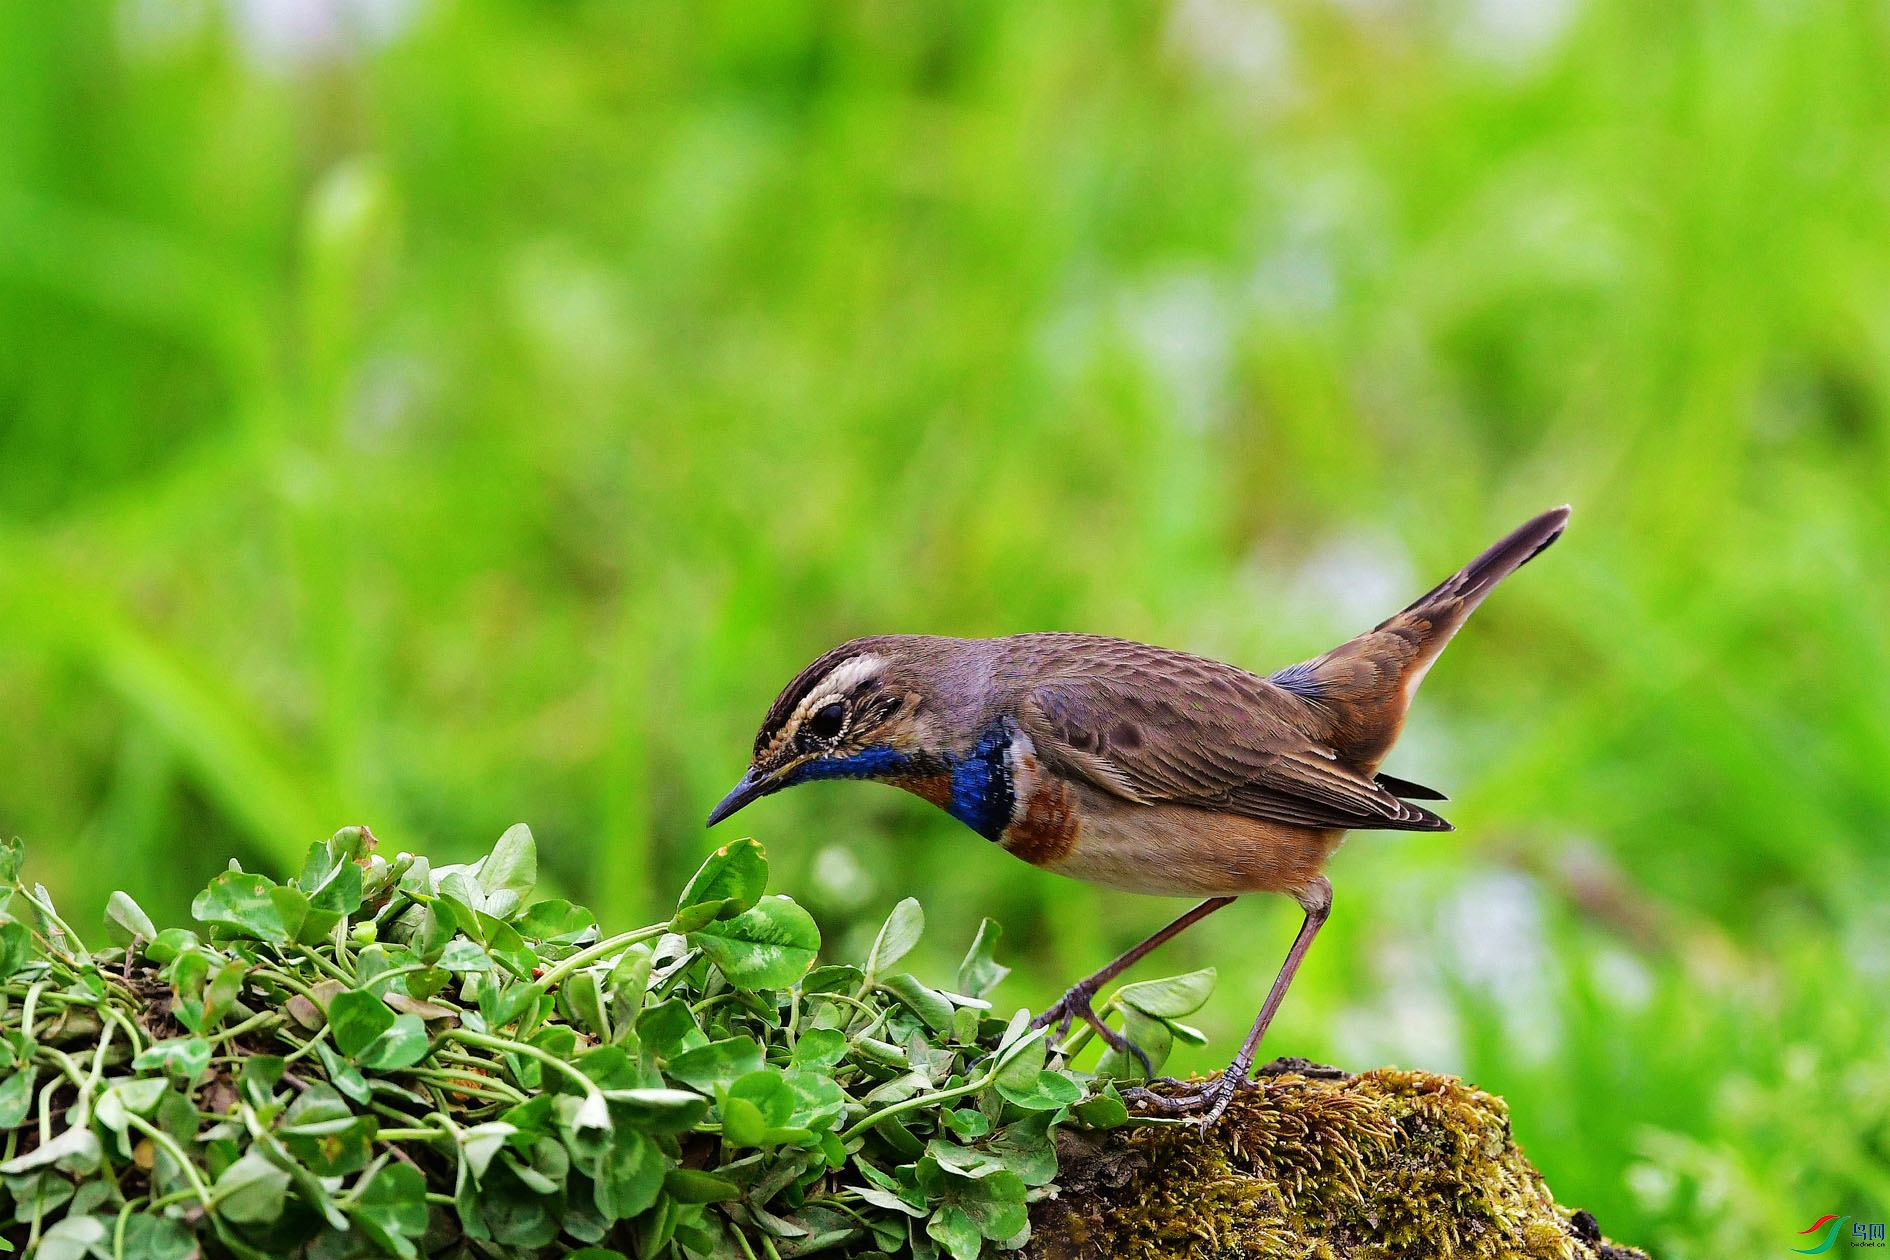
(842, 679)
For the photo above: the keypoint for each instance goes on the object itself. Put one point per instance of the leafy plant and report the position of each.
(384, 1058)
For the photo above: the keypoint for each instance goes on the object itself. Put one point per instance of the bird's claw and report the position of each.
(1075, 1005)
(1210, 1100)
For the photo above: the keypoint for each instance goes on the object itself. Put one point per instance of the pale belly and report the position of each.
(1176, 850)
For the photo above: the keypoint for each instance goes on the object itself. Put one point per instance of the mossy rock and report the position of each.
(1311, 1162)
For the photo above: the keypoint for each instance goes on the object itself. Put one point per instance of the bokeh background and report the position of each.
(440, 415)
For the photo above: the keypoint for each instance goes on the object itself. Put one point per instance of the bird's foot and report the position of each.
(1207, 1100)
(1075, 1005)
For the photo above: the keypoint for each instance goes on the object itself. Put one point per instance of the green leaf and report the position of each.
(169, 943)
(356, 1019)
(220, 995)
(655, 1110)
(1147, 1032)
(75, 1238)
(151, 1237)
(1048, 1092)
(16, 1096)
(392, 1209)
(322, 1131)
(928, 1004)
(252, 1191)
(16, 947)
(240, 904)
(720, 1063)
(820, 1049)
(818, 1101)
(1170, 997)
(401, 1046)
(183, 1058)
(126, 921)
(729, 883)
(1025, 1148)
(556, 920)
(690, 1185)
(768, 947)
(12, 854)
(75, 1150)
(1024, 1060)
(505, 944)
(629, 1177)
(512, 866)
(953, 1229)
(343, 1075)
(1104, 1111)
(980, 972)
(897, 936)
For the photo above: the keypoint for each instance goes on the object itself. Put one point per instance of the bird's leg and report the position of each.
(1316, 898)
(1075, 1004)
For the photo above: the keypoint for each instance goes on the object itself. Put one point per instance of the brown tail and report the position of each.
(1366, 685)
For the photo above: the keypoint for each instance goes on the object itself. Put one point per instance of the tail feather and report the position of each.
(1365, 685)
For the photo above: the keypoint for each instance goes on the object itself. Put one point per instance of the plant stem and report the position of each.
(603, 949)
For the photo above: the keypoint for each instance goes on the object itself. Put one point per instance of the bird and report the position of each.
(1138, 767)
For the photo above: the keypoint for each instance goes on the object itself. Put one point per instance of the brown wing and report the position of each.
(1147, 724)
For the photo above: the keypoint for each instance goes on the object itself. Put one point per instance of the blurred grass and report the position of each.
(443, 415)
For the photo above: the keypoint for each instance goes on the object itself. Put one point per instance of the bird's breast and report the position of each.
(1046, 819)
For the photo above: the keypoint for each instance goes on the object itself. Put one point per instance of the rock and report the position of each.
(1310, 1161)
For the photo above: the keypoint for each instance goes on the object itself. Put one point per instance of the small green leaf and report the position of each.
(183, 1058)
(897, 936)
(356, 1019)
(1105, 1111)
(928, 1004)
(152, 1237)
(768, 947)
(655, 1110)
(690, 1185)
(512, 866)
(729, 883)
(252, 1191)
(820, 1049)
(401, 1046)
(720, 1063)
(1170, 997)
(16, 947)
(629, 1177)
(953, 1229)
(1048, 1092)
(240, 904)
(220, 995)
(980, 972)
(556, 920)
(505, 944)
(1150, 1034)
(126, 921)
(16, 1096)
(392, 1208)
(74, 1238)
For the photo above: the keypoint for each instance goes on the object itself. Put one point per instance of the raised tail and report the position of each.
(1364, 686)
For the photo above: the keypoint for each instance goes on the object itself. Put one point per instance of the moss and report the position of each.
(1311, 1162)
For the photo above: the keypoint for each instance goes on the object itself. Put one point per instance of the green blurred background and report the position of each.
(439, 415)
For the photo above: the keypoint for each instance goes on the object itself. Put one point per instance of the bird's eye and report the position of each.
(827, 721)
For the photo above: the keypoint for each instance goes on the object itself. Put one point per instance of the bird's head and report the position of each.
(865, 710)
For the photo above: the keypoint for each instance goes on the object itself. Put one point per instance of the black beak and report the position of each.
(753, 787)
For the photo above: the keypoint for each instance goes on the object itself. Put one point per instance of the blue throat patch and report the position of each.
(982, 796)
(868, 763)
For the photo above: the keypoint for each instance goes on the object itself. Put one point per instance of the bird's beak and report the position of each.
(753, 786)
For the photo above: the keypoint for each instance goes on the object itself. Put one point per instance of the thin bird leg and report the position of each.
(1316, 897)
(1075, 1004)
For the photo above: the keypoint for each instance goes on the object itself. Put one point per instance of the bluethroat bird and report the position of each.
(1138, 767)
